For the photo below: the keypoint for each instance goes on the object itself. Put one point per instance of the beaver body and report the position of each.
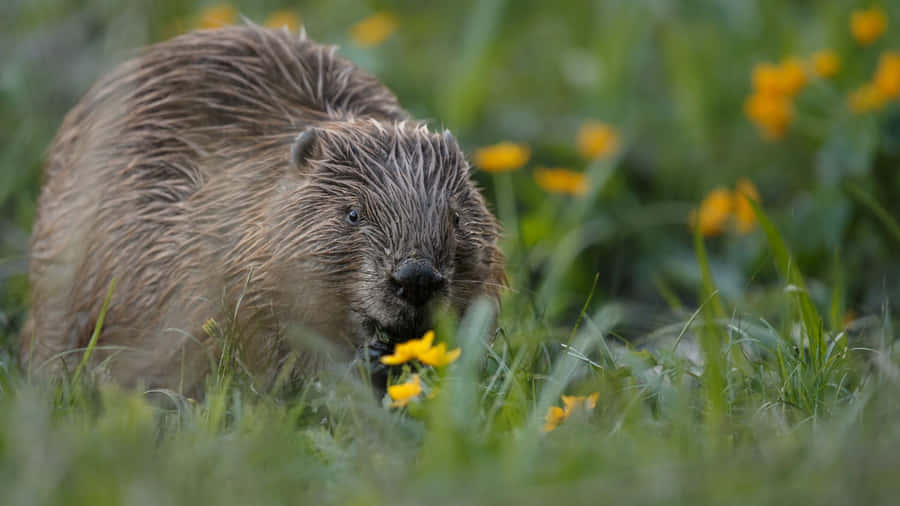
(253, 177)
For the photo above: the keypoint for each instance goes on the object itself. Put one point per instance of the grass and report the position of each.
(784, 416)
(752, 368)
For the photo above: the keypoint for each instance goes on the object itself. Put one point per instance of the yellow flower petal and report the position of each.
(419, 346)
(438, 356)
(397, 358)
(772, 113)
(786, 79)
(216, 16)
(570, 402)
(502, 157)
(404, 352)
(868, 25)
(792, 74)
(743, 211)
(574, 402)
(597, 140)
(714, 212)
(767, 79)
(405, 392)
(283, 19)
(561, 181)
(373, 30)
(555, 416)
(887, 75)
(826, 63)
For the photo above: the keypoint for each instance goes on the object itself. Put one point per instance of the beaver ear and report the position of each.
(303, 146)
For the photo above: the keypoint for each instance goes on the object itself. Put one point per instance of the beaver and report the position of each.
(248, 176)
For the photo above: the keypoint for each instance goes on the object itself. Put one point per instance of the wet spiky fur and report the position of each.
(174, 176)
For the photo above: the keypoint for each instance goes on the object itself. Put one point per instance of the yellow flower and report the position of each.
(217, 16)
(865, 98)
(792, 74)
(373, 30)
(887, 75)
(555, 416)
(561, 181)
(502, 157)
(826, 63)
(714, 212)
(405, 392)
(868, 25)
(785, 79)
(772, 113)
(283, 18)
(572, 403)
(423, 351)
(412, 349)
(770, 106)
(438, 356)
(743, 211)
(597, 140)
(720, 205)
(767, 79)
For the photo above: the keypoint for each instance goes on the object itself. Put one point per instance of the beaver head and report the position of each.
(387, 215)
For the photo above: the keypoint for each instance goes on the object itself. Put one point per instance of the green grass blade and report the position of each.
(708, 286)
(93, 342)
(711, 339)
(836, 311)
(809, 315)
(584, 308)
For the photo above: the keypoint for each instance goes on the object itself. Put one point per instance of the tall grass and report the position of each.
(735, 369)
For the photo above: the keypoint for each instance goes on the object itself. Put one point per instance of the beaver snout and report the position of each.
(417, 281)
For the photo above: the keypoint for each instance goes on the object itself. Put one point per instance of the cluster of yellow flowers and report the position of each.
(595, 141)
(770, 106)
(571, 404)
(425, 352)
(720, 205)
(867, 26)
(369, 32)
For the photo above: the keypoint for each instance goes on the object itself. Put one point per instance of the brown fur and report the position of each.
(173, 175)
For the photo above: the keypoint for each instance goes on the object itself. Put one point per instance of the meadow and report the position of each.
(701, 226)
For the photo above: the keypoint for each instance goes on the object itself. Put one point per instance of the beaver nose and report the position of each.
(417, 281)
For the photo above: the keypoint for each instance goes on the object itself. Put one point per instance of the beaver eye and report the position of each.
(353, 216)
